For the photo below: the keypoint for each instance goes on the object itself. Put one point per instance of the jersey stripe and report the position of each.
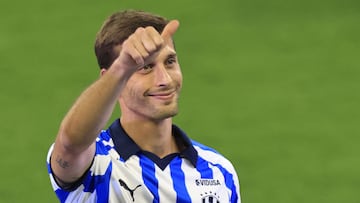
(148, 176)
(204, 169)
(62, 194)
(179, 181)
(166, 191)
(226, 169)
(229, 182)
(102, 190)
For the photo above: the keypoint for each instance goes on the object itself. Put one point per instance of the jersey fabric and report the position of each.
(121, 172)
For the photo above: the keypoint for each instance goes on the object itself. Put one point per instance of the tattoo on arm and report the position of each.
(62, 163)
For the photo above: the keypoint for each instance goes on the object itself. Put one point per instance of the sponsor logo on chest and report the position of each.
(212, 190)
(207, 182)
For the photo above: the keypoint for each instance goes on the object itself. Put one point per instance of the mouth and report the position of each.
(163, 95)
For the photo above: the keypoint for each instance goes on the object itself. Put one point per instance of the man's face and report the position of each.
(153, 91)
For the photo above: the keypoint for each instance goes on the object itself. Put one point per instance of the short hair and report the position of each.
(117, 28)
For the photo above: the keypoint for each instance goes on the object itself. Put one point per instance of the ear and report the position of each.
(102, 71)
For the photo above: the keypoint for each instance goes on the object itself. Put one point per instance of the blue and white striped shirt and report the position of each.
(122, 172)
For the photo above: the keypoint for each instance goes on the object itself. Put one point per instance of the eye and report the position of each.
(171, 60)
(146, 69)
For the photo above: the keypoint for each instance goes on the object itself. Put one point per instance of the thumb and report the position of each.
(170, 29)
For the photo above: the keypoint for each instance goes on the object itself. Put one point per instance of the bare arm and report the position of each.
(74, 146)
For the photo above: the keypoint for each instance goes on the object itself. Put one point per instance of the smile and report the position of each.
(163, 95)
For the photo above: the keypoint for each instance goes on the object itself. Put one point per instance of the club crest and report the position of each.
(210, 197)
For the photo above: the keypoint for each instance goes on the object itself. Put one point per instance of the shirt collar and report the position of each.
(126, 147)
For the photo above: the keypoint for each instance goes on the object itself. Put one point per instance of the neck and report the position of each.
(154, 137)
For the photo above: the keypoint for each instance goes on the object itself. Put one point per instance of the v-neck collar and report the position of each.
(126, 147)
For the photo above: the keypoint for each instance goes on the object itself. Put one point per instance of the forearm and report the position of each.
(91, 111)
(75, 143)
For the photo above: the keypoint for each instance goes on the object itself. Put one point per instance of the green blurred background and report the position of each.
(272, 84)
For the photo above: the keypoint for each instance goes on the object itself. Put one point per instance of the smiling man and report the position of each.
(142, 156)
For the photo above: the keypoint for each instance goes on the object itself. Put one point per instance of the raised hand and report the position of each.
(143, 46)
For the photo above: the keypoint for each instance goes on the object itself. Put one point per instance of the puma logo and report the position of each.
(123, 184)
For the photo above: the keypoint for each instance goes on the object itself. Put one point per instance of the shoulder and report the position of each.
(105, 152)
(102, 158)
(203, 147)
(98, 173)
(209, 158)
(213, 157)
(104, 143)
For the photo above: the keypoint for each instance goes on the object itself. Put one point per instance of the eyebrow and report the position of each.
(172, 55)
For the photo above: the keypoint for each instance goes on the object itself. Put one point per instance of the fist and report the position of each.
(143, 46)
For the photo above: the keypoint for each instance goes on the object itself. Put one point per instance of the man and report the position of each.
(143, 156)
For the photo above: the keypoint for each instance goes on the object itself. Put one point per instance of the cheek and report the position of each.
(131, 97)
(129, 90)
(133, 92)
(177, 77)
(180, 82)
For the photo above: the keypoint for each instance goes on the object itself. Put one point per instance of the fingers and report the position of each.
(170, 29)
(130, 53)
(151, 39)
(143, 45)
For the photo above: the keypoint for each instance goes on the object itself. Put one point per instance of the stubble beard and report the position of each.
(165, 111)
(150, 110)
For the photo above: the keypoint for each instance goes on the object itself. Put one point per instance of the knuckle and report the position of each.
(139, 30)
(150, 29)
(131, 38)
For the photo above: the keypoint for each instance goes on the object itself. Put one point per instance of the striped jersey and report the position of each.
(121, 172)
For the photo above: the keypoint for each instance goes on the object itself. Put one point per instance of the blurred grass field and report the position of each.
(273, 85)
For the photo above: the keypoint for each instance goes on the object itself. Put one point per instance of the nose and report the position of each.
(162, 76)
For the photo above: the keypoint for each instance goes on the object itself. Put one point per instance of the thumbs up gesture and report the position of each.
(143, 46)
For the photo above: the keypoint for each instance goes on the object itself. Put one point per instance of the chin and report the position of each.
(164, 114)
